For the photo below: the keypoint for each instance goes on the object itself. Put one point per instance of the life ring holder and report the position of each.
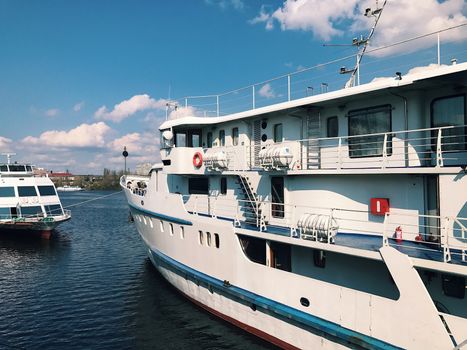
(197, 160)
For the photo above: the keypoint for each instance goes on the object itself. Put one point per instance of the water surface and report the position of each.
(92, 287)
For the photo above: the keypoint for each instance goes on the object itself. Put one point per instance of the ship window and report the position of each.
(277, 195)
(180, 139)
(7, 192)
(235, 136)
(369, 121)
(217, 240)
(16, 167)
(208, 238)
(281, 256)
(453, 286)
(278, 133)
(332, 127)
(450, 111)
(201, 237)
(161, 225)
(194, 138)
(27, 191)
(223, 185)
(171, 227)
(31, 211)
(198, 185)
(254, 248)
(47, 190)
(221, 138)
(3, 167)
(209, 139)
(53, 209)
(182, 232)
(28, 168)
(5, 213)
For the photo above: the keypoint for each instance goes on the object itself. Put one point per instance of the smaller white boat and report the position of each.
(67, 188)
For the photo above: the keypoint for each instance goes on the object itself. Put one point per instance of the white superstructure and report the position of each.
(28, 203)
(337, 220)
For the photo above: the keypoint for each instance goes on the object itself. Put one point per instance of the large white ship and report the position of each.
(29, 204)
(336, 220)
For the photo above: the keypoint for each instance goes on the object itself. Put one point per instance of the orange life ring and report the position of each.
(198, 160)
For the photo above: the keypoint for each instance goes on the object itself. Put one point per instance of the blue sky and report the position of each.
(79, 79)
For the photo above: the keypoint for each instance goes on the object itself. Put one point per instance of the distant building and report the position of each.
(143, 169)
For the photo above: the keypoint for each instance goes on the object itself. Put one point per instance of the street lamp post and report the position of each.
(124, 154)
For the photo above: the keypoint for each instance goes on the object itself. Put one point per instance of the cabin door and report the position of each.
(432, 225)
(313, 128)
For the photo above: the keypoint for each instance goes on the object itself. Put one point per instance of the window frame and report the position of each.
(434, 133)
(222, 138)
(328, 120)
(235, 136)
(22, 195)
(223, 186)
(356, 137)
(209, 139)
(274, 130)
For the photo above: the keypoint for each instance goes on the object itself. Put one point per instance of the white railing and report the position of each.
(8, 218)
(429, 147)
(325, 77)
(446, 237)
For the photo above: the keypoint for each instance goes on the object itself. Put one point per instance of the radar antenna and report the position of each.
(362, 44)
(8, 156)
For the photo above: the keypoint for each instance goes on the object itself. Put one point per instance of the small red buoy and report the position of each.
(398, 234)
(198, 160)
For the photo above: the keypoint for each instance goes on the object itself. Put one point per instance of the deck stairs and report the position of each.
(313, 127)
(250, 204)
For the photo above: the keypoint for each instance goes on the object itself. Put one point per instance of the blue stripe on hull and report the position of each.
(272, 307)
(161, 216)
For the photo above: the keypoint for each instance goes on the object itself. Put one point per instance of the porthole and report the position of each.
(304, 301)
(171, 228)
(264, 137)
(162, 225)
(208, 238)
(264, 124)
(201, 237)
(182, 232)
(217, 240)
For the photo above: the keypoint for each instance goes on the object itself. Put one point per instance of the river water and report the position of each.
(91, 286)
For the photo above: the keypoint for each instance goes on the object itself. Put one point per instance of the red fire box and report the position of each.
(379, 206)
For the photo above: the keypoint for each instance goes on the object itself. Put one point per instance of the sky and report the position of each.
(81, 79)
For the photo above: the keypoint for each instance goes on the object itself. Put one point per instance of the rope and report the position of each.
(91, 200)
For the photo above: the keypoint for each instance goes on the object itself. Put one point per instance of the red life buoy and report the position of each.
(198, 160)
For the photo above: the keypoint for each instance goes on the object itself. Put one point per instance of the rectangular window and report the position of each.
(198, 185)
(4, 167)
(209, 140)
(223, 185)
(5, 213)
(194, 138)
(27, 191)
(53, 209)
(221, 138)
(278, 133)
(332, 127)
(16, 167)
(47, 190)
(450, 111)
(180, 139)
(369, 121)
(7, 192)
(31, 211)
(277, 196)
(235, 136)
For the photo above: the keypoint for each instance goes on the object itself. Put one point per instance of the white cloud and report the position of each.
(225, 4)
(53, 112)
(84, 135)
(137, 144)
(182, 112)
(77, 107)
(5, 144)
(267, 91)
(129, 107)
(401, 19)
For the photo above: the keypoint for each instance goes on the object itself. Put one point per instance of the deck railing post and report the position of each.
(385, 226)
(445, 223)
(339, 156)
(288, 87)
(439, 153)
(217, 103)
(385, 151)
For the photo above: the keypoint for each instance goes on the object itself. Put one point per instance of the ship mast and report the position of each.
(8, 156)
(363, 43)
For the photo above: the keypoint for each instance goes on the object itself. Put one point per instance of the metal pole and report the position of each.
(186, 102)
(439, 55)
(217, 102)
(254, 102)
(288, 86)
